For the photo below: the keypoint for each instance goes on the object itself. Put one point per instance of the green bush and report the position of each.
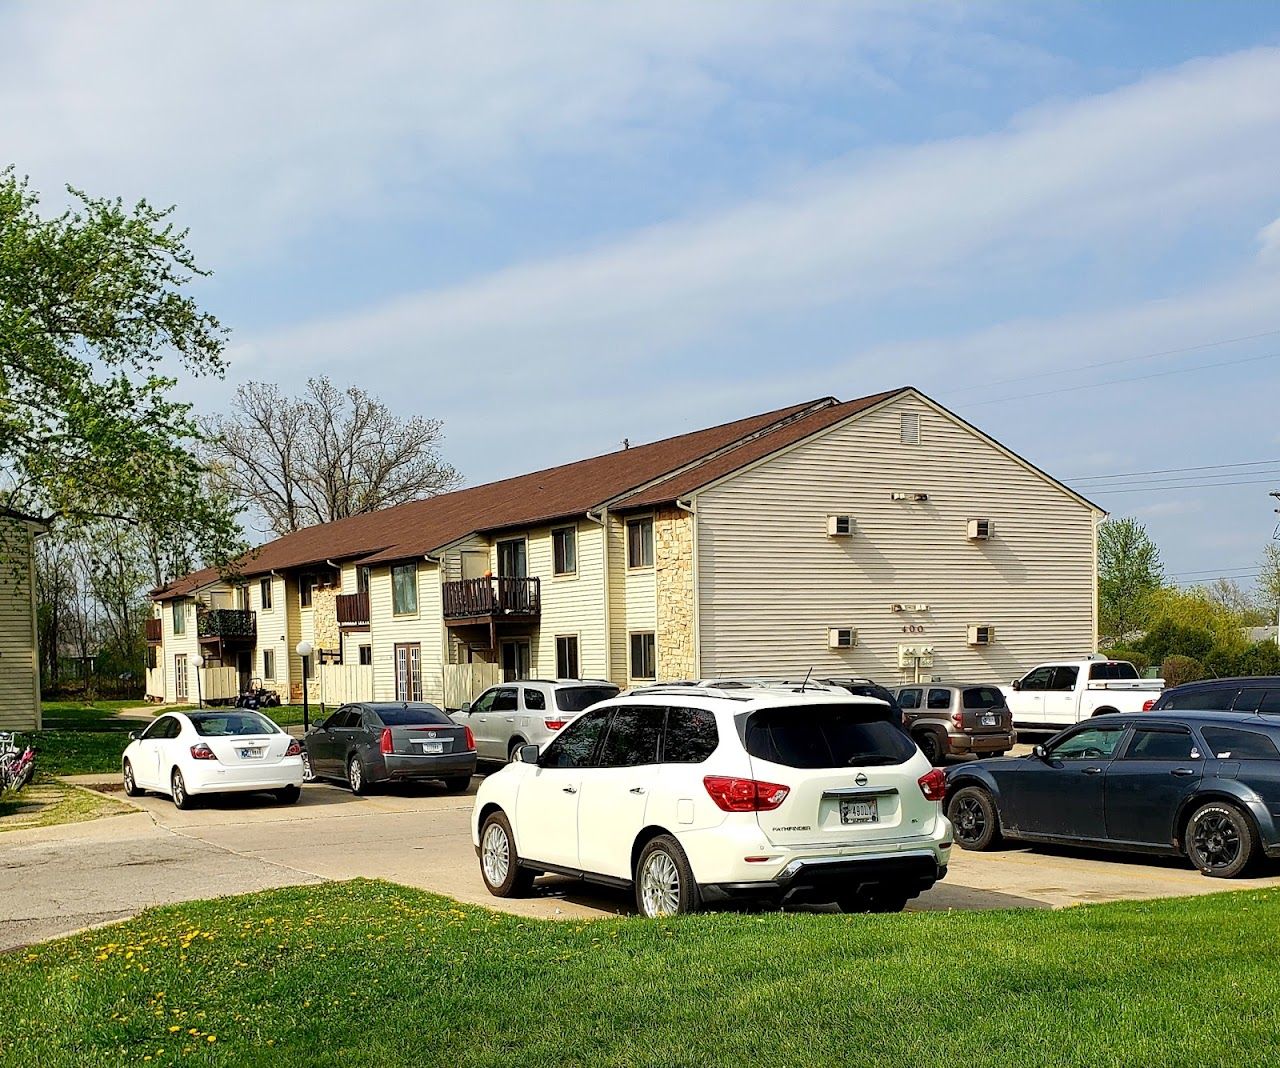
(1260, 658)
(1175, 670)
(1167, 638)
(1136, 657)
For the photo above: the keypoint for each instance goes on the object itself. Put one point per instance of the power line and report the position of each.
(1108, 490)
(1122, 381)
(1167, 470)
(1191, 480)
(1215, 570)
(1113, 363)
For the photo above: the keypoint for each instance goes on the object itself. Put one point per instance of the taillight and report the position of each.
(295, 748)
(1148, 705)
(744, 795)
(201, 751)
(384, 743)
(958, 719)
(471, 738)
(555, 724)
(933, 784)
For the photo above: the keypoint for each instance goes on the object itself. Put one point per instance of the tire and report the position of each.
(1103, 712)
(289, 795)
(664, 881)
(131, 787)
(879, 899)
(974, 818)
(930, 747)
(499, 862)
(178, 791)
(356, 777)
(514, 748)
(308, 772)
(1220, 840)
(458, 784)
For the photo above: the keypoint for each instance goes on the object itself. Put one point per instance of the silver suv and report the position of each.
(528, 712)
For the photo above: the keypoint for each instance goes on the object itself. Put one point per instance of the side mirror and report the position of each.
(1040, 752)
(466, 707)
(528, 754)
(134, 736)
(1017, 684)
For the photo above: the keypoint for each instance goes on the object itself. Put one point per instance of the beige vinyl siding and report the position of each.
(387, 630)
(293, 614)
(173, 645)
(571, 604)
(273, 633)
(771, 581)
(632, 602)
(19, 665)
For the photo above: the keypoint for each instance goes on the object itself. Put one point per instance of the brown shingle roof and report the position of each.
(419, 527)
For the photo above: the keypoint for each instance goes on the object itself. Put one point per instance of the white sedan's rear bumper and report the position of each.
(212, 777)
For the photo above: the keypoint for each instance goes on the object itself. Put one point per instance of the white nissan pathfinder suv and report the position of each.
(694, 796)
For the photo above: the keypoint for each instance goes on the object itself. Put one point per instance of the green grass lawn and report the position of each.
(81, 738)
(368, 973)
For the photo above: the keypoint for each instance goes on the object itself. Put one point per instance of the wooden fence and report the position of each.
(336, 684)
(465, 682)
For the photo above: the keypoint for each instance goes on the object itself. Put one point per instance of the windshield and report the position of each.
(224, 724)
(1113, 670)
(408, 717)
(576, 698)
(826, 736)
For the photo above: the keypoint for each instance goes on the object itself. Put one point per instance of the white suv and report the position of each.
(694, 796)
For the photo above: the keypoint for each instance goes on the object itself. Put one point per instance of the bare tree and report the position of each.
(325, 455)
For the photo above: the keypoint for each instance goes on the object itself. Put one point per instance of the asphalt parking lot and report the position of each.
(62, 879)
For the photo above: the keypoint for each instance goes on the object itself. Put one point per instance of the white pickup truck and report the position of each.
(1064, 692)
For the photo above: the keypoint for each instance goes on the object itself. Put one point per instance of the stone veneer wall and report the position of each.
(673, 567)
(324, 619)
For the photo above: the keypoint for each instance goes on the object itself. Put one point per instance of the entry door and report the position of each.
(409, 672)
(517, 660)
(244, 667)
(180, 678)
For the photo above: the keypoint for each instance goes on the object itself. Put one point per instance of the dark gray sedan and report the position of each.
(389, 742)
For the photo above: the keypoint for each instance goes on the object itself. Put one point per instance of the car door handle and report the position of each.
(637, 789)
(1092, 771)
(569, 789)
(1182, 773)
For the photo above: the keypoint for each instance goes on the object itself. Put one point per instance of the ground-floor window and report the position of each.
(644, 658)
(517, 660)
(268, 663)
(180, 677)
(567, 656)
(366, 654)
(409, 672)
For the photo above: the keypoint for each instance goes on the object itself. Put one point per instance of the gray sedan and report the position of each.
(379, 742)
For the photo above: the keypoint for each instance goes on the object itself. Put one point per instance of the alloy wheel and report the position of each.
(495, 855)
(660, 885)
(128, 778)
(355, 775)
(1216, 841)
(969, 819)
(308, 775)
(179, 790)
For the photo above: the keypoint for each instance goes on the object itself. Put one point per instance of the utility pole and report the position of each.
(1275, 536)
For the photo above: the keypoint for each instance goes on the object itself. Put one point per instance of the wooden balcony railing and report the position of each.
(227, 624)
(155, 630)
(353, 609)
(499, 596)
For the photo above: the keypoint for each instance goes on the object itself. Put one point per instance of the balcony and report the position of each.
(353, 610)
(226, 629)
(155, 631)
(492, 600)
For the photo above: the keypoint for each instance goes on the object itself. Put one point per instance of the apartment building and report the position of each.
(882, 537)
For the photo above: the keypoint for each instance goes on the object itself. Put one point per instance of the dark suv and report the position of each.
(1259, 693)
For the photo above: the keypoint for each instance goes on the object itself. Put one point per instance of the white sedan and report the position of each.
(184, 754)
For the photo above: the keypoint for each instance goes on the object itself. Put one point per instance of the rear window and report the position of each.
(410, 717)
(226, 724)
(1115, 670)
(826, 736)
(576, 698)
(1227, 743)
(1217, 699)
(983, 697)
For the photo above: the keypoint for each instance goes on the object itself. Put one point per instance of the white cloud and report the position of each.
(1269, 243)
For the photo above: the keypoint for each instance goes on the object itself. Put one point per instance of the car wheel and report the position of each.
(513, 750)
(457, 785)
(308, 772)
(1220, 840)
(178, 791)
(974, 818)
(930, 747)
(131, 788)
(499, 862)
(289, 795)
(356, 777)
(664, 881)
(876, 899)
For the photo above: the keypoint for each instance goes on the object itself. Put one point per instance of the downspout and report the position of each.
(601, 517)
(690, 507)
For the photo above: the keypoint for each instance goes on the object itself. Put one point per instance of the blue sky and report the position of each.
(555, 226)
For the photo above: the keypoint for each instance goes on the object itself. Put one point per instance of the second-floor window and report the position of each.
(179, 617)
(640, 542)
(264, 593)
(306, 584)
(513, 559)
(362, 580)
(564, 550)
(404, 590)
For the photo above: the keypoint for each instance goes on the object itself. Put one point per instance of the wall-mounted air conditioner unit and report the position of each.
(915, 656)
(841, 637)
(981, 529)
(981, 634)
(839, 526)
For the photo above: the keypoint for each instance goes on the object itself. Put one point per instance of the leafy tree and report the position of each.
(1269, 582)
(1129, 572)
(93, 306)
(1175, 670)
(1167, 637)
(325, 455)
(1235, 599)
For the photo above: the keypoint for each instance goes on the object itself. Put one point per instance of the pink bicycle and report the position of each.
(17, 764)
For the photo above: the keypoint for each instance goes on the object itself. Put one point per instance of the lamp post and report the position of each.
(199, 663)
(304, 649)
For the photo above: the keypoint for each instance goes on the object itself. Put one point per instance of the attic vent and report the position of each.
(840, 526)
(980, 529)
(981, 634)
(910, 428)
(841, 638)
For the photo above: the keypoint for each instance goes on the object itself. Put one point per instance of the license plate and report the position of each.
(432, 747)
(251, 754)
(989, 719)
(864, 810)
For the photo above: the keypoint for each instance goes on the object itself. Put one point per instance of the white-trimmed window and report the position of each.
(640, 542)
(265, 593)
(644, 658)
(564, 550)
(179, 616)
(567, 656)
(268, 664)
(404, 590)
